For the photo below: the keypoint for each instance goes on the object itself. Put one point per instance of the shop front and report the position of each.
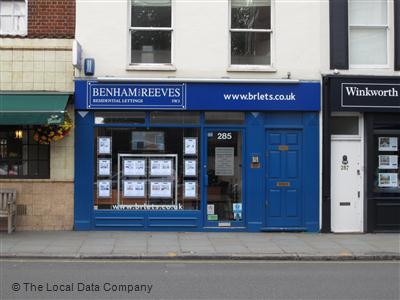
(361, 187)
(197, 156)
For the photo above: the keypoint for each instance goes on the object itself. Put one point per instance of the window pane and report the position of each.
(251, 48)
(33, 168)
(19, 23)
(148, 13)
(19, 7)
(217, 117)
(148, 145)
(363, 12)
(137, 117)
(6, 8)
(254, 14)
(3, 168)
(151, 46)
(6, 25)
(344, 125)
(44, 168)
(174, 117)
(368, 46)
(44, 152)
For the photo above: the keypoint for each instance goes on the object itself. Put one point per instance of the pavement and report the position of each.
(199, 245)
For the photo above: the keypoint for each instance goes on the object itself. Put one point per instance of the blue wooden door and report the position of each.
(283, 179)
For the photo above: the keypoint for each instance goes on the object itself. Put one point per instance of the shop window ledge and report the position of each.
(119, 225)
(120, 218)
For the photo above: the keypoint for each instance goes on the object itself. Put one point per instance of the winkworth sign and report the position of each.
(371, 95)
(363, 93)
(92, 95)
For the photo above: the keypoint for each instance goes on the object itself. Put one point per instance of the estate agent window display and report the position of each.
(147, 168)
(387, 172)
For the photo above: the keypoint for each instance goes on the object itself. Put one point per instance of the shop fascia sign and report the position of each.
(110, 96)
(384, 95)
(301, 96)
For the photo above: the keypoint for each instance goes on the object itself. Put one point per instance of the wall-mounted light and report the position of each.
(18, 134)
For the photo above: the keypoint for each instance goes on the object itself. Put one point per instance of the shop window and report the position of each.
(170, 117)
(21, 156)
(251, 32)
(147, 168)
(13, 17)
(345, 125)
(387, 170)
(151, 31)
(132, 117)
(219, 117)
(368, 32)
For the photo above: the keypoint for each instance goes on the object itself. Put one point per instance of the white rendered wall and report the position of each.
(201, 39)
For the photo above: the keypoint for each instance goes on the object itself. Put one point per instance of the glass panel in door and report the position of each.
(224, 176)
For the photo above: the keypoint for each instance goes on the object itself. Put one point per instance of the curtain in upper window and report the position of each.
(13, 17)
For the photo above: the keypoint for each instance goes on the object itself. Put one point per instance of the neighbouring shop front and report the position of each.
(361, 182)
(194, 156)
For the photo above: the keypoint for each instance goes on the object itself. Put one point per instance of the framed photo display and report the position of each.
(190, 189)
(161, 167)
(134, 188)
(133, 167)
(104, 145)
(160, 189)
(388, 162)
(104, 167)
(388, 143)
(190, 167)
(190, 146)
(104, 188)
(388, 180)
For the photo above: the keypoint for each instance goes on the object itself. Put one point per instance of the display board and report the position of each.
(147, 177)
(388, 164)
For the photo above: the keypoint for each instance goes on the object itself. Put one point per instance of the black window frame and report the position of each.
(42, 153)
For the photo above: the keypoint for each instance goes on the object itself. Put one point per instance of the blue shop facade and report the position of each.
(197, 156)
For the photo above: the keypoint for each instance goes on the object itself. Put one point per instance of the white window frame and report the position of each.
(358, 136)
(251, 68)
(25, 29)
(150, 66)
(374, 26)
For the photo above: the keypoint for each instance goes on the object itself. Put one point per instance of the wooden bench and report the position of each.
(8, 207)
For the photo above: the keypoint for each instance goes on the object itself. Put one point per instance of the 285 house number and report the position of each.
(224, 135)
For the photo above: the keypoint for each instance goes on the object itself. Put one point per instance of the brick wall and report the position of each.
(51, 19)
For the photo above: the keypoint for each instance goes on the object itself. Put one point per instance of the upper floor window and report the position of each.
(368, 32)
(13, 17)
(151, 32)
(251, 32)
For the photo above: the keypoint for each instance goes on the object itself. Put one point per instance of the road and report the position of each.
(114, 279)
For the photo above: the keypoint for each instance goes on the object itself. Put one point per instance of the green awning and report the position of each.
(32, 109)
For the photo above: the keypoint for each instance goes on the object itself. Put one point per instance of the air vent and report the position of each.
(21, 210)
